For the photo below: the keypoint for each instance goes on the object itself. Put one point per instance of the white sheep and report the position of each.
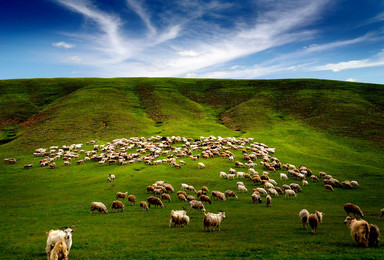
(100, 207)
(283, 176)
(272, 181)
(223, 175)
(269, 200)
(304, 214)
(54, 236)
(200, 165)
(240, 174)
(213, 220)
(268, 185)
(290, 193)
(184, 186)
(305, 183)
(262, 191)
(242, 188)
(240, 183)
(355, 184)
(176, 217)
(231, 176)
(273, 192)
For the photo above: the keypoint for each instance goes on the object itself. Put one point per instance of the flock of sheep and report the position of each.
(174, 150)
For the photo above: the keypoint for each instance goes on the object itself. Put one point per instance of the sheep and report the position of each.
(359, 230)
(99, 206)
(240, 175)
(205, 189)
(150, 189)
(347, 185)
(231, 176)
(268, 185)
(242, 188)
(197, 205)
(132, 199)
(184, 186)
(117, 204)
(213, 220)
(273, 192)
(191, 188)
(262, 191)
(305, 183)
(272, 181)
(54, 236)
(314, 178)
(205, 198)
(283, 176)
(232, 171)
(189, 198)
(182, 192)
(218, 195)
(374, 235)
(184, 220)
(122, 195)
(165, 196)
(112, 177)
(155, 201)
(352, 208)
(59, 251)
(382, 213)
(304, 214)
(290, 193)
(240, 183)
(296, 187)
(229, 193)
(328, 187)
(285, 187)
(169, 188)
(27, 166)
(278, 189)
(269, 199)
(256, 198)
(223, 175)
(181, 197)
(176, 217)
(143, 205)
(200, 165)
(355, 184)
(314, 220)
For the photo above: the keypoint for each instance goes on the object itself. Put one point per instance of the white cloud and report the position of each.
(63, 45)
(75, 59)
(351, 80)
(188, 53)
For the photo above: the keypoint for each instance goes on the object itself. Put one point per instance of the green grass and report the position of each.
(328, 126)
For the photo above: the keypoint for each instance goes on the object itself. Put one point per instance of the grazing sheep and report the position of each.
(285, 187)
(262, 191)
(290, 193)
(229, 193)
(166, 196)
(117, 204)
(352, 208)
(182, 192)
(200, 165)
(181, 197)
(256, 198)
(346, 185)
(132, 199)
(304, 214)
(184, 221)
(296, 187)
(269, 199)
(155, 201)
(240, 175)
(122, 195)
(242, 188)
(279, 190)
(205, 198)
(273, 192)
(169, 188)
(205, 189)
(218, 195)
(54, 236)
(328, 187)
(382, 213)
(191, 188)
(268, 185)
(314, 178)
(223, 175)
(176, 217)
(59, 251)
(283, 176)
(197, 205)
(150, 189)
(231, 176)
(100, 207)
(355, 184)
(143, 205)
(314, 220)
(359, 230)
(189, 198)
(374, 235)
(305, 183)
(27, 166)
(240, 183)
(213, 220)
(112, 176)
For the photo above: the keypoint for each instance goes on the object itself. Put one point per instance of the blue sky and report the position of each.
(258, 39)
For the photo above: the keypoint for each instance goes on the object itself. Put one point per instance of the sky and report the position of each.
(239, 39)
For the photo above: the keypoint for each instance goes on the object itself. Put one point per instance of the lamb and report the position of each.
(59, 251)
(176, 217)
(155, 201)
(304, 214)
(54, 236)
(269, 199)
(165, 196)
(132, 199)
(314, 220)
(117, 204)
(359, 230)
(374, 235)
(197, 205)
(352, 208)
(229, 193)
(100, 207)
(122, 195)
(290, 193)
(213, 220)
(205, 198)
(256, 198)
(242, 188)
(143, 205)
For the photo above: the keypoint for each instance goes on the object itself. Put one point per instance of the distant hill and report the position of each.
(46, 111)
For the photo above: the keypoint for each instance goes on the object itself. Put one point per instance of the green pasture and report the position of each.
(328, 126)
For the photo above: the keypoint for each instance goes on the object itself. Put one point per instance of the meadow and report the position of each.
(329, 126)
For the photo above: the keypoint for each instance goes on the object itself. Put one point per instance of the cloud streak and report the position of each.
(63, 45)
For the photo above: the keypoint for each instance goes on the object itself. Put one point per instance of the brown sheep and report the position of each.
(121, 195)
(205, 189)
(205, 198)
(328, 187)
(143, 205)
(189, 198)
(314, 220)
(155, 201)
(117, 204)
(150, 189)
(165, 196)
(60, 251)
(352, 208)
(169, 188)
(182, 192)
(374, 235)
(199, 193)
(229, 193)
(181, 197)
(132, 199)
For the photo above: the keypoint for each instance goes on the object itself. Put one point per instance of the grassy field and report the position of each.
(329, 126)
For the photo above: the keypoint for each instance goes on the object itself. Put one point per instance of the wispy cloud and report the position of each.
(63, 45)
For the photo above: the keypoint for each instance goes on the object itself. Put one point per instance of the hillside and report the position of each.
(45, 111)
